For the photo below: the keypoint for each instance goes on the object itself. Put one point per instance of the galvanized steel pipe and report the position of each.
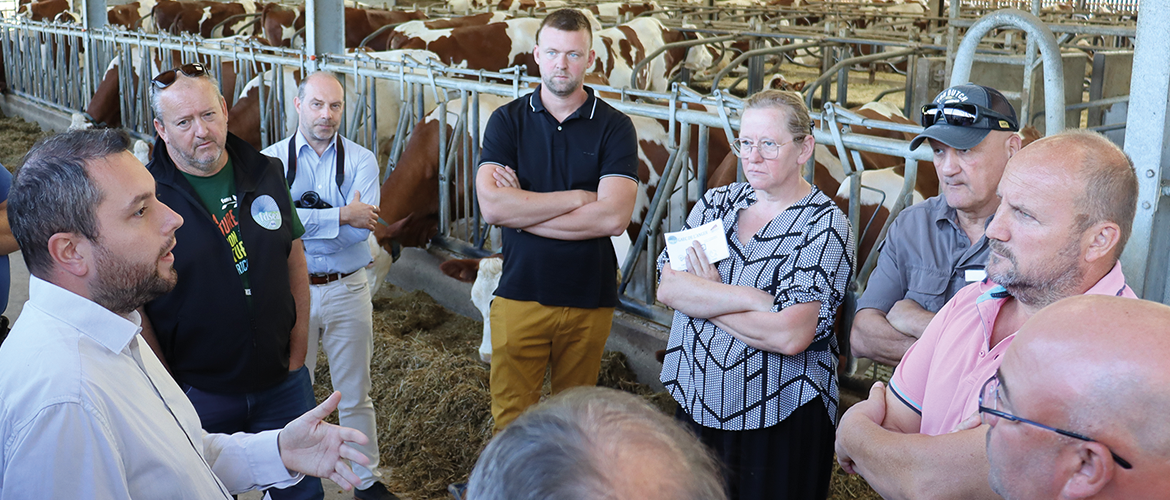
(1049, 51)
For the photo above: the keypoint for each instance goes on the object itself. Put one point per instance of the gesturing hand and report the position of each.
(311, 446)
(358, 214)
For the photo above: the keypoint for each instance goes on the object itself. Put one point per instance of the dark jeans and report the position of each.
(261, 411)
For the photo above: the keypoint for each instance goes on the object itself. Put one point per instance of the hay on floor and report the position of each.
(431, 396)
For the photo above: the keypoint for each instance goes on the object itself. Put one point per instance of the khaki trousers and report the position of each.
(527, 337)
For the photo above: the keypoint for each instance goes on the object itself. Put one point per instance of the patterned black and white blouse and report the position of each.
(802, 255)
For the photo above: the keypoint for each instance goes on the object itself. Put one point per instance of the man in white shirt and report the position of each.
(86, 408)
(334, 183)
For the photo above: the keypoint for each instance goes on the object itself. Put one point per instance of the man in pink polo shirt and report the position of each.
(1066, 211)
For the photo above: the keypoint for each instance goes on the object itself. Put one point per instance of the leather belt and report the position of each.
(321, 279)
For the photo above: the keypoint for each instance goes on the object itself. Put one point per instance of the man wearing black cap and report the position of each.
(936, 247)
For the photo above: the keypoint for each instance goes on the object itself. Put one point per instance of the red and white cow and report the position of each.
(49, 10)
(420, 29)
(490, 47)
(620, 48)
(130, 15)
(280, 22)
(201, 16)
(612, 10)
(505, 5)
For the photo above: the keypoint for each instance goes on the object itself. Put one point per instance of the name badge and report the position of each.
(266, 213)
(974, 275)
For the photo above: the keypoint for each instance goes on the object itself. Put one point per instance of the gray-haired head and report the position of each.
(593, 443)
(156, 93)
(54, 193)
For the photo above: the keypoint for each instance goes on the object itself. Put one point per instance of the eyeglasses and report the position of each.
(167, 78)
(990, 394)
(769, 150)
(961, 114)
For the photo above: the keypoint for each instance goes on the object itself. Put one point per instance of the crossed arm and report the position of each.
(878, 438)
(742, 311)
(562, 215)
(885, 337)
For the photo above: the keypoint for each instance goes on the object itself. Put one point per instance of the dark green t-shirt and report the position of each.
(218, 194)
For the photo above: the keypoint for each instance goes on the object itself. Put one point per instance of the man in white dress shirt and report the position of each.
(334, 183)
(86, 408)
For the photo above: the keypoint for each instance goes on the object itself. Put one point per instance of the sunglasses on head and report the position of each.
(962, 114)
(168, 77)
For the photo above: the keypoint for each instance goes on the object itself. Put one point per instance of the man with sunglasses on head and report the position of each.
(334, 181)
(1066, 211)
(233, 331)
(1077, 409)
(937, 247)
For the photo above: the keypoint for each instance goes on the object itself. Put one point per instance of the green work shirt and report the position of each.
(218, 194)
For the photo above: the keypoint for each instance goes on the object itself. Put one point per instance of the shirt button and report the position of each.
(558, 127)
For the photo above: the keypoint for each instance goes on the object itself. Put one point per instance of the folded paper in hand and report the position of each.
(709, 235)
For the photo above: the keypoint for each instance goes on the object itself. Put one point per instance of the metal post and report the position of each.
(324, 28)
(755, 79)
(1029, 66)
(444, 187)
(1145, 258)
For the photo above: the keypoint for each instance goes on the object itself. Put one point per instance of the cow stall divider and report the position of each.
(420, 87)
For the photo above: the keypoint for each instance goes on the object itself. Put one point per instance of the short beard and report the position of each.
(1060, 278)
(310, 131)
(203, 166)
(570, 87)
(122, 286)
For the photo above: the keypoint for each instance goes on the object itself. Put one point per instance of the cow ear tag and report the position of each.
(266, 213)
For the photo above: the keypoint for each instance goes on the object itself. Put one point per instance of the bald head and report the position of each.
(1094, 365)
(1066, 208)
(320, 101)
(1110, 186)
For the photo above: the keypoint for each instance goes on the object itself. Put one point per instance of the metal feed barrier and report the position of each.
(419, 85)
(75, 61)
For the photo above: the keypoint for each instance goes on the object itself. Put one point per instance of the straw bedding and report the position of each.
(432, 401)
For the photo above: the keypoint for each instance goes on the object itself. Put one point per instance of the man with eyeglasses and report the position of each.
(335, 183)
(233, 331)
(1067, 209)
(1077, 408)
(937, 247)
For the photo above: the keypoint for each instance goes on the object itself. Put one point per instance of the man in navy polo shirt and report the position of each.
(559, 198)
